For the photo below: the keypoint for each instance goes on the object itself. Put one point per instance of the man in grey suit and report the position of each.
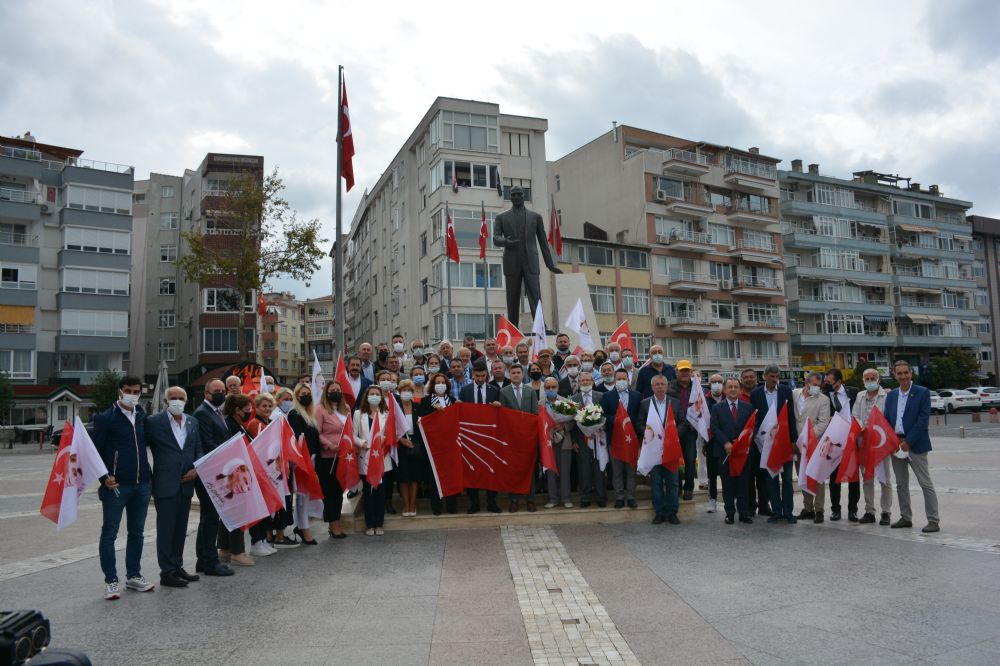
(173, 438)
(516, 231)
(522, 398)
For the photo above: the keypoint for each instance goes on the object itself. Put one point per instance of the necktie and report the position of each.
(517, 394)
(836, 402)
(733, 405)
(480, 397)
(624, 399)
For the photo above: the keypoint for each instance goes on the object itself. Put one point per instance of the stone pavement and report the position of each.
(700, 592)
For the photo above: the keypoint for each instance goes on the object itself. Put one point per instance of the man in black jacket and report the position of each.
(773, 395)
(481, 393)
(841, 402)
(213, 431)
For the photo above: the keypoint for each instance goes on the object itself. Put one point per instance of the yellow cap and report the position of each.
(683, 364)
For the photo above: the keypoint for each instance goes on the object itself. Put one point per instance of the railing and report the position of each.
(688, 236)
(217, 231)
(744, 244)
(10, 284)
(17, 328)
(747, 207)
(686, 156)
(214, 193)
(697, 318)
(839, 263)
(929, 272)
(965, 332)
(99, 166)
(764, 322)
(751, 169)
(20, 153)
(684, 276)
(36, 156)
(765, 357)
(19, 196)
(758, 283)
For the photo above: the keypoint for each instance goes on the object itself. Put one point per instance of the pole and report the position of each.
(338, 251)
(447, 271)
(486, 290)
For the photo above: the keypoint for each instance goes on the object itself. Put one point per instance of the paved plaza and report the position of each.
(622, 593)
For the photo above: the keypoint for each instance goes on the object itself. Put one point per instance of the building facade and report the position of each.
(877, 269)
(709, 215)
(318, 337)
(65, 238)
(192, 327)
(986, 271)
(281, 343)
(395, 280)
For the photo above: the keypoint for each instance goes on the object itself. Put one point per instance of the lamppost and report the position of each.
(829, 330)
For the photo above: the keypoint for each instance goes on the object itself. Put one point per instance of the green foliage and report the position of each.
(105, 391)
(857, 380)
(956, 368)
(6, 396)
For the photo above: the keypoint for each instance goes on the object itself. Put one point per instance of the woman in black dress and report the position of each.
(302, 420)
(437, 398)
(232, 549)
(413, 466)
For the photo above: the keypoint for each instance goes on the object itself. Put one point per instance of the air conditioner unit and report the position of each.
(665, 240)
(45, 209)
(661, 195)
(661, 321)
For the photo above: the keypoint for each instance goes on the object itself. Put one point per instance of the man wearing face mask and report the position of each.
(417, 357)
(212, 431)
(614, 354)
(607, 377)
(600, 358)
(623, 474)
(120, 439)
(509, 358)
(874, 396)
(810, 403)
(628, 364)
(656, 366)
(592, 479)
(841, 402)
(712, 398)
(381, 358)
(562, 353)
(173, 439)
(587, 366)
(681, 390)
(570, 384)
(480, 392)
(398, 348)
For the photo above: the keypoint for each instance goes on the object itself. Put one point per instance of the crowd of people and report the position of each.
(421, 380)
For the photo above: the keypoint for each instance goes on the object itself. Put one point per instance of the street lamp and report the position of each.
(829, 330)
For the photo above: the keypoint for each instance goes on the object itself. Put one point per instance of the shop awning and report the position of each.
(914, 228)
(21, 315)
(867, 283)
(963, 237)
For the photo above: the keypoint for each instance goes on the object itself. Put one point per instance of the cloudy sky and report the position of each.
(907, 87)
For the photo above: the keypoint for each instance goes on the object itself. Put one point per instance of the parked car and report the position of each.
(990, 395)
(956, 399)
(937, 404)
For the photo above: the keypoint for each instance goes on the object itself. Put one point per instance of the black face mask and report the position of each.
(383, 356)
(305, 400)
(218, 399)
(245, 416)
(334, 397)
(535, 375)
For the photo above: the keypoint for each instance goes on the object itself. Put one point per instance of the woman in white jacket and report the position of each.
(371, 406)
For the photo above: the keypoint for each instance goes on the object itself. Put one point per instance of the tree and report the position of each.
(857, 380)
(6, 397)
(264, 239)
(105, 391)
(956, 368)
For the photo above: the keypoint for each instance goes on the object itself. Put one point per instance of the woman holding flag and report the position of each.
(331, 418)
(438, 397)
(239, 413)
(369, 422)
(412, 456)
(302, 420)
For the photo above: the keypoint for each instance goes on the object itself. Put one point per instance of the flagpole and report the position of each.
(338, 256)
(447, 266)
(486, 290)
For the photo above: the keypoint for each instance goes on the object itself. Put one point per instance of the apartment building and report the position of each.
(65, 229)
(457, 158)
(281, 346)
(319, 336)
(192, 327)
(709, 215)
(986, 271)
(877, 269)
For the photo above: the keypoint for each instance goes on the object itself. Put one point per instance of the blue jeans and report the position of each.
(665, 487)
(780, 490)
(135, 501)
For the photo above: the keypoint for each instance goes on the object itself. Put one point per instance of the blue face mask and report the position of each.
(551, 394)
(285, 406)
(419, 380)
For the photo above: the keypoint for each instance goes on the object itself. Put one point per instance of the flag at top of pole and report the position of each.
(484, 234)
(346, 140)
(555, 229)
(450, 242)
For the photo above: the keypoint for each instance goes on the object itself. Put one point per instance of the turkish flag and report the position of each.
(484, 235)
(450, 243)
(346, 141)
(235, 484)
(781, 445)
(507, 333)
(672, 454)
(272, 499)
(395, 426)
(481, 446)
(376, 451)
(624, 442)
(547, 455)
(807, 443)
(555, 229)
(850, 462)
(878, 443)
(347, 458)
(261, 304)
(249, 386)
(623, 336)
(76, 466)
(741, 449)
(296, 452)
(345, 382)
(269, 447)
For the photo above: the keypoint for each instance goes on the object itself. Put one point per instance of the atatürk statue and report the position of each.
(516, 231)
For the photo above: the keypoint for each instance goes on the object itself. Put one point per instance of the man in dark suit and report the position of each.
(841, 402)
(908, 411)
(521, 397)
(665, 484)
(591, 476)
(570, 383)
(173, 438)
(481, 393)
(729, 417)
(516, 231)
(763, 399)
(356, 378)
(212, 431)
(622, 474)
(498, 370)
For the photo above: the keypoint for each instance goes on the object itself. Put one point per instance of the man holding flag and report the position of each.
(622, 431)
(764, 399)
(662, 417)
(869, 408)
(686, 393)
(731, 421)
(813, 407)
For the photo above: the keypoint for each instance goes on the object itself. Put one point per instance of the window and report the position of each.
(517, 144)
(673, 267)
(986, 355)
(86, 362)
(603, 299)
(225, 300)
(96, 240)
(101, 323)
(978, 269)
(643, 341)
(98, 200)
(722, 235)
(168, 253)
(760, 276)
(677, 348)
(462, 324)
(726, 349)
(85, 281)
(166, 191)
(912, 209)
(596, 255)
(760, 240)
(466, 131)
(762, 312)
(523, 183)
(667, 187)
(224, 340)
(17, 363)
(635, 301)
(978, 245)
(18, 276)
(284, 346)
(394, 301)
(754, 203)
(949, 269)
(673, 307)
(982, 297)
(763, 350)
(318, 330)
(984, 326)
(723, 310)
(949, 299)
(467, 275)
(468, 223)
(168, 220)
(633, 259)
(721, 272)
(168, 318)
(423, 291)
(167, 351)
(395, 218)
(672, 228)
(168, 286)
(423, 245)
(715, 197)
(840, 324)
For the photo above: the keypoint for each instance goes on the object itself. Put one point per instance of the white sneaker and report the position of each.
(139, 584)
(259, 549)
(567, 505)
(111, 591)
(270, 547)
(711, 506)
(550, 505)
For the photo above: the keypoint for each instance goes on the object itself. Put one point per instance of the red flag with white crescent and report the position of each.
(376, 453)
(741, 449)
(450, 243)
(507, 333)
(806, 443)
(347, 458)
(623, 336)
(76, 466)
(555, 229)
(346, 141)
(781, 450)
(546, 424)
(345, 382)
(484, 235)
(878, 442)
(624, 442)
(672, 453)
(850, 463)
(268, 486)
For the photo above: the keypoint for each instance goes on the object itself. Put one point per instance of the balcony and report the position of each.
(867, 341)
(806, 236)
(754, 177)
(684, 281)
(687, 241)
(755, 252)
(24, 240)
(687, 208)
(696, 322)
(685, 163)
(110, 167)
(268, 337)
(855, 211)
(756, 286)
(812, 304)
(932, 277)
(908, 247)
(269, 354)
(774, 325)
(751, 215)
(18, 196)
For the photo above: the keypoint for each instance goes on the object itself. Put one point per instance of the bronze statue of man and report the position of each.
(516, 231)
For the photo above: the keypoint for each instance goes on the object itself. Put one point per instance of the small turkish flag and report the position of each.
(624, 442)
(347, 458)
(450, 243)
(672, 454)
(296, 452)
(76, 466)
(484, 236)
(850, 462)
(507, 333)
(807, 443)
(376, 451)
(741, 449)
(546, 425)
(781, 445)
(878, 443)
(272, 498)
(268, 446)
(345, 382)
(623, 336)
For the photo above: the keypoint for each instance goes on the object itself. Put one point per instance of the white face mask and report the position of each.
(440, 389)
(815, 390)
(573, 371)
(586, 389)
(508, 360)
(418, 351)
(587, 366)
(385, 385)
(285, 406)
(608, 379)
(130, 400)
(393, 386)
(397, 347)
(433, 370)
(614, 357)
(406, 396)
(374, 400)
(716, 388)
(621, 384)
(175, 407)
(871, 386)
(628, 361)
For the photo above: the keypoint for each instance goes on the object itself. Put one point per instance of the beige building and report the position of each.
(986, 271)
(318, 338)
(282, 338)
(709, 216)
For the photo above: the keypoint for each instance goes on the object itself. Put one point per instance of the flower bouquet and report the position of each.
(564, 411)
(590, 419)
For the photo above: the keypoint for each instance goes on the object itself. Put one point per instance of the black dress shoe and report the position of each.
(930, 528)
(884, 520)
(191, 578)
(632, 504)
(584, 505)
(390, 509)
(171, 579)
(774, 519)
(602, 505)
(746, 519)
(818, 518)
(199, 566)
(902, 522)
(791, 520)
(834, 516)
(852, 516)
(658, 519)
(729, 519)
(673, 520)
(687, 495)
(619, 504)
(493, 508)
(867, 519)
(765, 511)
(218, 570)
(807, 515)
(333, 535)
(472, 509)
